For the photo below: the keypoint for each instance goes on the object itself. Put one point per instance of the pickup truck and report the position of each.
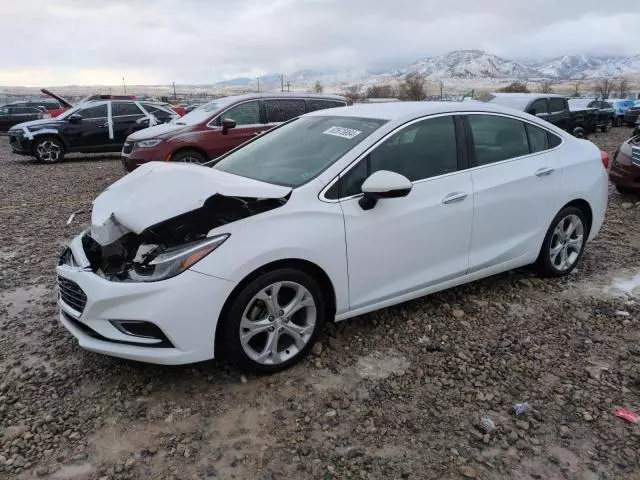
(605, 113)
(552, 108)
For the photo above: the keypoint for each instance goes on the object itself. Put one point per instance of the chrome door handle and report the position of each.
(454, 197)
(544, 171)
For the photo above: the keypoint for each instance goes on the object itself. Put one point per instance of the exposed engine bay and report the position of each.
(134, 257)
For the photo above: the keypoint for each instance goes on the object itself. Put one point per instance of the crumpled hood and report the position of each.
(158, 191)
(156, 131)
(38, 124)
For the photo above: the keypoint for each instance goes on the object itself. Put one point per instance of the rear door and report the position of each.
(92, 132)
(248, 124)
(559, 113)
(127, 118)
(516, 181)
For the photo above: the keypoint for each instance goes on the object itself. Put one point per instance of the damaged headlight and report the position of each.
(149, 143)
(172, 261)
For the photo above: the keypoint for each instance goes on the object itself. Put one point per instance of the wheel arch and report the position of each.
(49, 135)
(187, 148)
(583, 205)
(325, 283)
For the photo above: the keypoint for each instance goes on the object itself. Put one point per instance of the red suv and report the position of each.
(219, 126)
(625, 168)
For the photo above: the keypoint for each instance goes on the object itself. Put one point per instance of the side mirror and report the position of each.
(383, 184)
(227, 124)
(75, 118)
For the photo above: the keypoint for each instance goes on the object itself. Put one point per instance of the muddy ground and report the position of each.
(399, 393)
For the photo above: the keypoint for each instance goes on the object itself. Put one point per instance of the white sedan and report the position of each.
(334, 214)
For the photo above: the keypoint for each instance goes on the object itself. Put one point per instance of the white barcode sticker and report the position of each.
(342, 132)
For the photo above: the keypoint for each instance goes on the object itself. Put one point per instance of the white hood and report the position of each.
(154, 132)
(158, 191)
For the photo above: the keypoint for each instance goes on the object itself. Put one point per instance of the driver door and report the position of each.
(409, 244)
(92, 132)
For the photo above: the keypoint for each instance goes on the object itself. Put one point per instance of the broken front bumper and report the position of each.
(184, 308)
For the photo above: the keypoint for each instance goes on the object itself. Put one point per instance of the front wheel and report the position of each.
(48, 150)
(189, 156)
(273, 321)
(563, 244)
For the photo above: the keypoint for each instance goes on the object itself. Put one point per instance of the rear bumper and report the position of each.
(624, 173)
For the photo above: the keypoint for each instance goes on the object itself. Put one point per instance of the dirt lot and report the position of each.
(395, 394)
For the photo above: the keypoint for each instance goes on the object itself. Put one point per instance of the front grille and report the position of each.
(635, 156)
(72, 294)
(127, 147)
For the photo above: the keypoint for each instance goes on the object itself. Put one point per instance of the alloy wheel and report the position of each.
(278, 323)
(48, 151)
(566, 242)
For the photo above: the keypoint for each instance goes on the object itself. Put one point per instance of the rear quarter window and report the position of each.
(316, 104)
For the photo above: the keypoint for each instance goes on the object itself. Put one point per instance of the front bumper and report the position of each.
(19, 143)
(185, 308)
(133, 156)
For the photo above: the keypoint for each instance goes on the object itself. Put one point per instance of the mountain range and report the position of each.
(465, 65)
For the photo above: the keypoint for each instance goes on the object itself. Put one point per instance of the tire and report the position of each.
(627, 190)
(579, 132)
(48, 150)
(271, 322)
(189, 156)
(565, 248)
(617, 122)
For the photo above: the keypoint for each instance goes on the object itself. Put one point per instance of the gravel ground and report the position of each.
(399, 393)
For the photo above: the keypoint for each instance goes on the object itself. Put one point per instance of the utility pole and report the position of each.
(288, 84)
(281, 83)
(441, 84)
(124, 86)
(174, 91)
(258, 79)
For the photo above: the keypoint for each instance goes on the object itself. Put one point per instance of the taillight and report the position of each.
(604, 156)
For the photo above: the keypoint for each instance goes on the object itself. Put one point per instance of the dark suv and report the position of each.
(95, 126)
(221, 125)
(11, 115)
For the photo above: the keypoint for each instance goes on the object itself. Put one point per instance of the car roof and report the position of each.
(403, 111)
(231, 99)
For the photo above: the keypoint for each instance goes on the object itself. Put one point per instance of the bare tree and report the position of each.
(622, 87)
(604, 88)
(413, 87)
(318, 88)
(515, 87)
(353, 93)
(576, 91)
(546, 86)
(381, 91)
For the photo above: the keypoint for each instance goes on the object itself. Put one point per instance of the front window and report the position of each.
(247, 113)
(98, 111)
(299, 150)
(200, 114)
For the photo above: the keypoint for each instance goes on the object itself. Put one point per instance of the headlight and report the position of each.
(174, 260)
(149, 143)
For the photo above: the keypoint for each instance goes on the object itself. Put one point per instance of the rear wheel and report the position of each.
(189, 156)
(607, 126)
(618, 121)
(563, 244)
(273, 321)
(48, 150)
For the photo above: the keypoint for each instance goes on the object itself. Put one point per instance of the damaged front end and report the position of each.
(169, 247)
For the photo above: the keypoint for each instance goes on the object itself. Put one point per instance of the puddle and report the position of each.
(627, 286)
(19, 299)
(378, 366)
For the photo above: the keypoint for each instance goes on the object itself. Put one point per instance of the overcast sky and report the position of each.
(63, 42)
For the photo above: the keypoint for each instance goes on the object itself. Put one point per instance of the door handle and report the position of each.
(454, 197)
(544, 171)
(103, 125)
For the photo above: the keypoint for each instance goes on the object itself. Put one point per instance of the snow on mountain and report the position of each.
(576, 66)
(461, 66)
(468, 64)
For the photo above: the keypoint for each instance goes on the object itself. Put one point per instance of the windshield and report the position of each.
(199, 115)
(299, 150)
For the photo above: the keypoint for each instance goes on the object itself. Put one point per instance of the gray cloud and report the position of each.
(202, 41)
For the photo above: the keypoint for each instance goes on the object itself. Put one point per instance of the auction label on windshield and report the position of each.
(343, 132)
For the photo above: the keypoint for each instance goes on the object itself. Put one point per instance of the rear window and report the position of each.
(316, 104)
(121, 109)
(557, 104)
(282, 110)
